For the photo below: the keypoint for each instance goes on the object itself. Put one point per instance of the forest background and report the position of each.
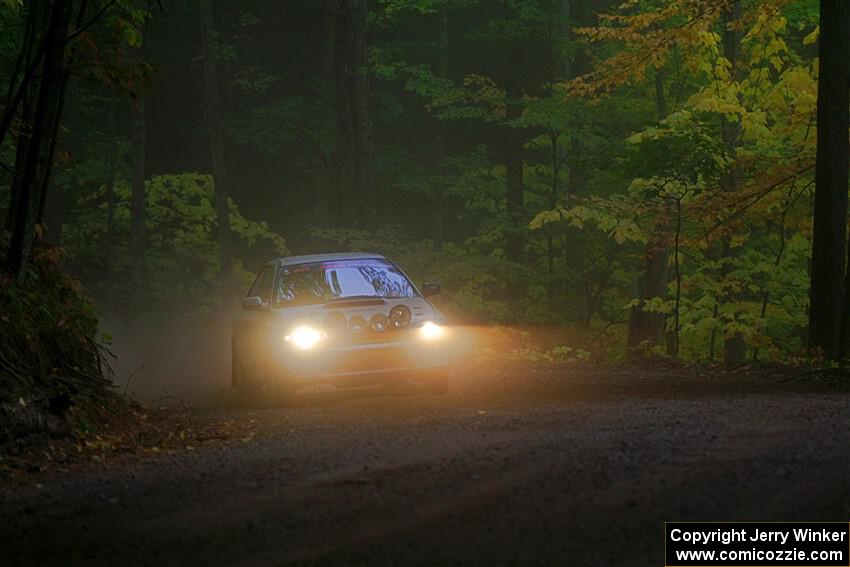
(605, 179)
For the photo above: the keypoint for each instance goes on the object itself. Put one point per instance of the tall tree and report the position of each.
(734, 347)
(355, 154)
(345, 205)
(829, 244)
(362, 115)
(212, 106)
(22, 79)
(22, 143)
(441, 70)
(138, 158)
(38, 151)
(138, 195)
(557, 34)
(646, 327)
(513, 145)
(53, 205)
(324, 187)
(583, 14)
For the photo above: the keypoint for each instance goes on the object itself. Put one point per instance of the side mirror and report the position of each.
(429, 289)
(254, 303)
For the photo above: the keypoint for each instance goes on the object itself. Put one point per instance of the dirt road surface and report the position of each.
(569, 466)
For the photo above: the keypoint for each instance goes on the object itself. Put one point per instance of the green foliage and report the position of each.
(181, 263)
(52, 361)
(631, 157)
(692, 192)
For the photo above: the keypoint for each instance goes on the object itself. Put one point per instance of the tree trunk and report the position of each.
(558, 31)
(27, 64)
(216, 141)
(109, 173)
(361, 114)
(829, 243)
(555, 157)
(323, 179)
(39, 151)
(22, 146)
(354, 151)
(844, 339)
(441, 72)
(647, 327)
(673, 339)
(52, 211)
(582, 15)
(347, 195)
(515, 232)
(734, 346)
(24, 93)
(581, 12)
(766, 293)
(138, 200)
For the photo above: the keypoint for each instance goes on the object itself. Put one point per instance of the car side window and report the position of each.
(262, 287)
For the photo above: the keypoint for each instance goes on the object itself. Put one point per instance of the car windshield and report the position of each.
(312, 284)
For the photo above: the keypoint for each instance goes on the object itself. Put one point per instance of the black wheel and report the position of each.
(238, 376)
(438, 382)
(277, 387)
(282, 391)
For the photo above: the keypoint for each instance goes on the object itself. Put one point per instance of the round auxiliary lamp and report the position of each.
(379, 322)
(400, 316)
(357, 324)
(335, 323)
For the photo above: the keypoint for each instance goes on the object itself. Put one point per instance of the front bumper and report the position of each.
(363, 359)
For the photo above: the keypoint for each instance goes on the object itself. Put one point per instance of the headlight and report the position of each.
(304, 337)
(431, 331)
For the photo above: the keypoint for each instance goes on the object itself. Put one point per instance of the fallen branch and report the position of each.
(130, 378)
(169, 396)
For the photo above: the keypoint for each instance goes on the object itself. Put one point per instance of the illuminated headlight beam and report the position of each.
(303, 337)
(431, 331)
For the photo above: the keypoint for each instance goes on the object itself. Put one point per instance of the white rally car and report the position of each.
(348, 318)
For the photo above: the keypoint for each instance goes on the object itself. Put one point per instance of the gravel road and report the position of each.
(570, 466)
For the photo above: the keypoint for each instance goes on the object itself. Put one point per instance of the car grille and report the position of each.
(373, 359)
(368, 336)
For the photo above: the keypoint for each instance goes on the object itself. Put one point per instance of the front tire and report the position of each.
(239, 378)
(282, 388)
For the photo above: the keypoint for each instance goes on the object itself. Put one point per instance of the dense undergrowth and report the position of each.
(53, 366)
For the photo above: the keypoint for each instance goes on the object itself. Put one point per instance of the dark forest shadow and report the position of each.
(312, 396)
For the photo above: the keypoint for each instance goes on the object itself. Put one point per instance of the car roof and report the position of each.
(310, 258)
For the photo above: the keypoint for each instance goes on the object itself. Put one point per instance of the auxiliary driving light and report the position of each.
(304, 337)
(379, 322)
(431, 331)
(357, 324)
(400, 316)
